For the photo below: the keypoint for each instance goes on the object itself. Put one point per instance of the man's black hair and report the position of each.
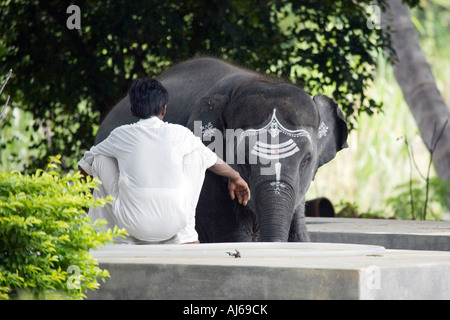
(147, 97)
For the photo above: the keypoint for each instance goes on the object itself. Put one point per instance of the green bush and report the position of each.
(46, 235)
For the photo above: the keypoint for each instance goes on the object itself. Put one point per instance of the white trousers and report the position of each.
(107, 171)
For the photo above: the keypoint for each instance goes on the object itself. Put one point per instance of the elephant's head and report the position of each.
(277, 137)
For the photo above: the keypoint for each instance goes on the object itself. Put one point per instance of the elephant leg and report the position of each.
(298, 231)
(216, 216)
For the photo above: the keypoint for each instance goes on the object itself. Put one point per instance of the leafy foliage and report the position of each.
(412, 202)
(321, 45)
(45, 235)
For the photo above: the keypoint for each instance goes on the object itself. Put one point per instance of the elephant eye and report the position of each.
(306, 159)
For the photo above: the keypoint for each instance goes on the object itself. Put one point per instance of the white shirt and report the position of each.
(158, 189)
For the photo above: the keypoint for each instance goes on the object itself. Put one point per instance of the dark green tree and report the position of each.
(315, 44)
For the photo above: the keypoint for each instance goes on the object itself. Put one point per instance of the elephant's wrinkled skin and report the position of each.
(271, 131)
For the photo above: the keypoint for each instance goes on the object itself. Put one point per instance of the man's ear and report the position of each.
(208, 113)
(333, 132)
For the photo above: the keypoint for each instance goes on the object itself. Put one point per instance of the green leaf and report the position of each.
(44, 231)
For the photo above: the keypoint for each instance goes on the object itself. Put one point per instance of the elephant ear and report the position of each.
(333, 132)
(207, 116)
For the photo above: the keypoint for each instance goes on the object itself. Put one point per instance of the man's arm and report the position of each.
(106, 148)
(236, 185)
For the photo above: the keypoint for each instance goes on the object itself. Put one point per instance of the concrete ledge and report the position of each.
(391, 234)
(305, 271)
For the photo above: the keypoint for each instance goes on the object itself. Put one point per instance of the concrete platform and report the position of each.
(391, 234)
(272, 271)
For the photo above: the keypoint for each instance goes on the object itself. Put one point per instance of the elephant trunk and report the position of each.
(274, 207)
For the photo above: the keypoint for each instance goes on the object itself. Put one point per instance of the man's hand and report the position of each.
(236, 185)
(239, 188)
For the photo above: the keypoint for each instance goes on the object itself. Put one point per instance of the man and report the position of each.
(155, 171)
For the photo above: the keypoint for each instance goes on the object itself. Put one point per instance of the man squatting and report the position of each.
(154, 170)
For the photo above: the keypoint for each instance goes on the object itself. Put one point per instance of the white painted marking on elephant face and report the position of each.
(274, 128)
(208, 130)
(275, 151)
(278, 171)
(323, 130)
(277, 184)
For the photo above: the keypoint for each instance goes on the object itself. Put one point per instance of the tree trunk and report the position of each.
(420, 92)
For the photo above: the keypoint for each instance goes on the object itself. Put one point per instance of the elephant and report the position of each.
(269, 130)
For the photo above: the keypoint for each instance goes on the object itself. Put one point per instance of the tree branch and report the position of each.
(1, 91)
